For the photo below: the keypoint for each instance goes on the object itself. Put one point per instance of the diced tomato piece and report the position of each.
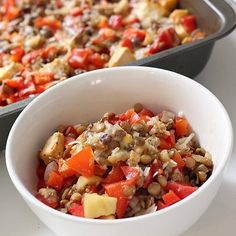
(99, 170)
(121, 206)
(131, 174)
(122, 117)
(129, 113)
(171, 138)
(92, 189)
(55, 181)
(189, 23)
(115, 22)
(80, 58)
(181, 190)
(17, 54)
(76, 11)
(178, 159)
(48, 21)
(76, 209)
(48, 202)
(160, 205)
(181, 126)
(97, 60)
(170, 198)
(135, 35)
(154, 168)
(82, 162)
(64, 170)
(146, 112)
(41, 78)
(126, 43)
(115, 175)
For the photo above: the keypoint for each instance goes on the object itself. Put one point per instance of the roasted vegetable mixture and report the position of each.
(121, 166)
(44, 42)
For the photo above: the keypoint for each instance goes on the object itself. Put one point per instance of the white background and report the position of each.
(220, 219)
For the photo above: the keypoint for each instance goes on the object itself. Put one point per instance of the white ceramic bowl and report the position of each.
(86, 98)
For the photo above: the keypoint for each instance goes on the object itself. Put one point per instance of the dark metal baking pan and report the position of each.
(216, 17)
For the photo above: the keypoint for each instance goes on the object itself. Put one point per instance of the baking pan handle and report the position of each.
(226, 9)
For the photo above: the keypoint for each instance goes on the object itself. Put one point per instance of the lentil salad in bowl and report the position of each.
(85, 99)
(123, 165)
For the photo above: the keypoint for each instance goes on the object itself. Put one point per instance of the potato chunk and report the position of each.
(98, 205)
(169, 5)
(7, 72)
(83, 181)
(177, 14)
(121, 56)
(53, 149)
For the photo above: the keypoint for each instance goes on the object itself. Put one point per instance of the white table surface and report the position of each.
(220, 219)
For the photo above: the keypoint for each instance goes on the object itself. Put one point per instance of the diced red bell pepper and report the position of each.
(41, 78)
(126, 43)
(181, 190)
(29, 88)
(64, 170)
(115, 22)
(17, 54)
(189, 23)
(146, 112)
(161, 205)
(82, 162)
(76, 209)
(55, 181)
(97, 60)
(166, 39)
(49, 51)
(178, 159)
(154, 168)
(164, 144)
(49, 22)
(11, 10)
(131, 174)
(48, 202)
(170, 198)
(121, 206)
(116, 189)
(181, 126)
(135, 35)
(80, 58)
(16, 82)
(115, 175)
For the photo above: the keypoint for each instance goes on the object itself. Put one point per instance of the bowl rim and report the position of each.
(29, 197)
